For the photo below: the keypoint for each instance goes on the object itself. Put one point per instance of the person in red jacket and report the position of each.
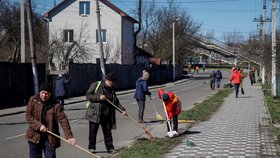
(173, 107)
(236, 78)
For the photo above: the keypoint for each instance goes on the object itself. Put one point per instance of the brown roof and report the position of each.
(106, 2)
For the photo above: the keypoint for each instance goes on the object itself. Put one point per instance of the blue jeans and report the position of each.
(236, 89)
(218, 82)
(35, 150)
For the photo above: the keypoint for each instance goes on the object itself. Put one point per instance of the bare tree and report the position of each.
(108, 55)
(148, 12)
(61, 53)
(160, 37)
(10, 33)
(9, 25)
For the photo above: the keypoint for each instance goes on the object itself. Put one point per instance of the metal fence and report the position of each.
(84, 74)
(16, 80)
(16, 83)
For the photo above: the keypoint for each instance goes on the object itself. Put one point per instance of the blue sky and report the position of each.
(218, 16)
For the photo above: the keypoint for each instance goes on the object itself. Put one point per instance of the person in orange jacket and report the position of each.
(237, 79)
(173, 106)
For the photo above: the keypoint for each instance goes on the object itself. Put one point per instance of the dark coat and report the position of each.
(141, 89)
(60, 85)
(54, 114)
(98, 107)
(219, 75)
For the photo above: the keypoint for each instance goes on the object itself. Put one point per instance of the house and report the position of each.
(76, 21)
(143, 57)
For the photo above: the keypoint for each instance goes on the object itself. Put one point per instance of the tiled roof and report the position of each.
(106, 2)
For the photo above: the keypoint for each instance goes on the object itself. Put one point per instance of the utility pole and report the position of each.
(22, 32)
(32, 50)
(173, 51)
(100, 40)
(273, 70)
(262, 21)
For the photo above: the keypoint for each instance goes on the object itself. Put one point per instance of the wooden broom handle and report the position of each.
(74, 144)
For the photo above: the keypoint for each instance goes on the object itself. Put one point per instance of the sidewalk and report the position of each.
(241, 128)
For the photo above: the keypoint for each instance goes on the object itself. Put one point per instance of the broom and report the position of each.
(74, 144)
(146, 131)
(157, 114)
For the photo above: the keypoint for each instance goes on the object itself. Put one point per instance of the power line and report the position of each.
(217, 10)
(201, 1)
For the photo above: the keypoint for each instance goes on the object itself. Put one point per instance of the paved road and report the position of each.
(13, 127)
(241, 128)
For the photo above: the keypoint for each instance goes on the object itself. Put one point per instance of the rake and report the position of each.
(74, 144)
(138, 124)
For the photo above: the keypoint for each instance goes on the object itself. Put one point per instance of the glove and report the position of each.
(148, 93)
(170, 115)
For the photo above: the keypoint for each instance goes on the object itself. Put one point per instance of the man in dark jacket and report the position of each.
(140, 94)
(60, 83)
(42, 114)
(101, 112)
(219, 77)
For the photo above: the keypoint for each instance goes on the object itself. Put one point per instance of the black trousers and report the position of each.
(61, 100)
(107, 132)
(175, 124)
(141, 104)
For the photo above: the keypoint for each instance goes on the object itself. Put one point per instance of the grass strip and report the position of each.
(205, 109)
(160, 146)
(273, 104)
(145, 148)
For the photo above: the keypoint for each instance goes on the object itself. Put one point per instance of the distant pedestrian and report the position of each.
(173, 107)
(241, 82)
(236, 78)
(60, 84)
(252, 75)
(101, 112)
(42, 114)
(140, 94)
(212, 80)
(219, 77)
(203, 67)
(197, 69)
(190, 68)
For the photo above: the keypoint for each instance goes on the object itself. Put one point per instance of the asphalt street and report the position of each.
(190, 91)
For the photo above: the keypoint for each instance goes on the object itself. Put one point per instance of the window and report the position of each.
(84, 8)
(103, 35)
(68, 36)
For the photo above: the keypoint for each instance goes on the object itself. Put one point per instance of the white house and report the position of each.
(76, 20)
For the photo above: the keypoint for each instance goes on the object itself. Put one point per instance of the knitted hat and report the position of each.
(45, 87)
(111, 77)
(145, 75)
(165, 97)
